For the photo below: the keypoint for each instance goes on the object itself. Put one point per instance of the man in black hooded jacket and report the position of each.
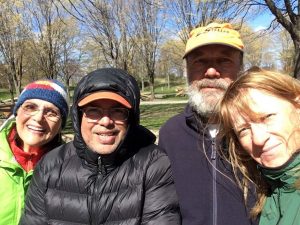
(112, 173)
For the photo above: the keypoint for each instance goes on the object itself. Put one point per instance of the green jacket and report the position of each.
(282, 207)
(14, 180)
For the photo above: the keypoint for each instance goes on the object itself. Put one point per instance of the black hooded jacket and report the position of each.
(132, 185)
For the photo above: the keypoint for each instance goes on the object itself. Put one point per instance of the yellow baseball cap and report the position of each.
(214, 33)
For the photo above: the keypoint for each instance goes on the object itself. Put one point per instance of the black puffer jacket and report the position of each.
(133, 185)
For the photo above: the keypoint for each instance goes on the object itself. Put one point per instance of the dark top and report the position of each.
(206, 195)
(66, 189)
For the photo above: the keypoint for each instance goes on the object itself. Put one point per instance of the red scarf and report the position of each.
(27, 160)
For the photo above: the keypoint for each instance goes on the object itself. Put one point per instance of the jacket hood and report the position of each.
(110, 79)
(120, 82)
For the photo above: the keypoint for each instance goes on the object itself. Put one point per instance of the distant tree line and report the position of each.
(65, 39)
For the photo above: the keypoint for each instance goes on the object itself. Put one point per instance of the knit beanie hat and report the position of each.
(51, 91)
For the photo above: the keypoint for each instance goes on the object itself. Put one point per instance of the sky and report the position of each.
(261, 22)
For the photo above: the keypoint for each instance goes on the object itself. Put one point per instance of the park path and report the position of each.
(161, 102)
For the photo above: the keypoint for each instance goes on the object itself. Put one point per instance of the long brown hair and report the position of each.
(236, 100)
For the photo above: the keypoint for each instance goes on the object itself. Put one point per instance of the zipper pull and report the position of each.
(213, 150)
(99, 165)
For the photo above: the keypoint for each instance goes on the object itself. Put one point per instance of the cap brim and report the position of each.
(104, 95)
(212, 43)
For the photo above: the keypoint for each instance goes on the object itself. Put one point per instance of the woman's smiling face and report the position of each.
(37, 130)
(273, 135)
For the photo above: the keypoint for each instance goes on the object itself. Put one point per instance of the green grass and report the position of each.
(161, 86)
(166, 90)
(68, 128)
(152, 116)
(4, 94)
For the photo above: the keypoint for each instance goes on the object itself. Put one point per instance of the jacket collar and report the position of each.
(198, 125)
(194, 121)
(285, 175)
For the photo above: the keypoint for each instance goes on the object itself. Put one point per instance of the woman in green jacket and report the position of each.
(39, 115)
(260, 116)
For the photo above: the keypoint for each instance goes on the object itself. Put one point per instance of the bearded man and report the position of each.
(203, 180)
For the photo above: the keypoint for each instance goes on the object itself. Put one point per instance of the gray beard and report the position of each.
(205, 103)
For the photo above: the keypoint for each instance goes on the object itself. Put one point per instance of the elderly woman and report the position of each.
(260, 116)
(39, 115)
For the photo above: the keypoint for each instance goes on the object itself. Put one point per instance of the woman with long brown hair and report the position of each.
(260, 118)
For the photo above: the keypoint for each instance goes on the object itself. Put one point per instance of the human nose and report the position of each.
(259, 134)
(105, 120)
(212, 72)
(38, 116)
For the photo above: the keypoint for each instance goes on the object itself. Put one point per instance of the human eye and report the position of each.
(243, 131)
(225, 60)
(52, 112)
(30, 107)
(92, 111)
(119, 113)
(198, 61)
(268, 117)
(201, 61)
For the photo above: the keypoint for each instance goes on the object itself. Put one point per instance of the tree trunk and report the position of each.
(143, 84)
(151, 81)
(11, 91)
(67, 83)
(297, 62)
(152, 91)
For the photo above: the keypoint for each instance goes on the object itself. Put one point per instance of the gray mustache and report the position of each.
(212, 83)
